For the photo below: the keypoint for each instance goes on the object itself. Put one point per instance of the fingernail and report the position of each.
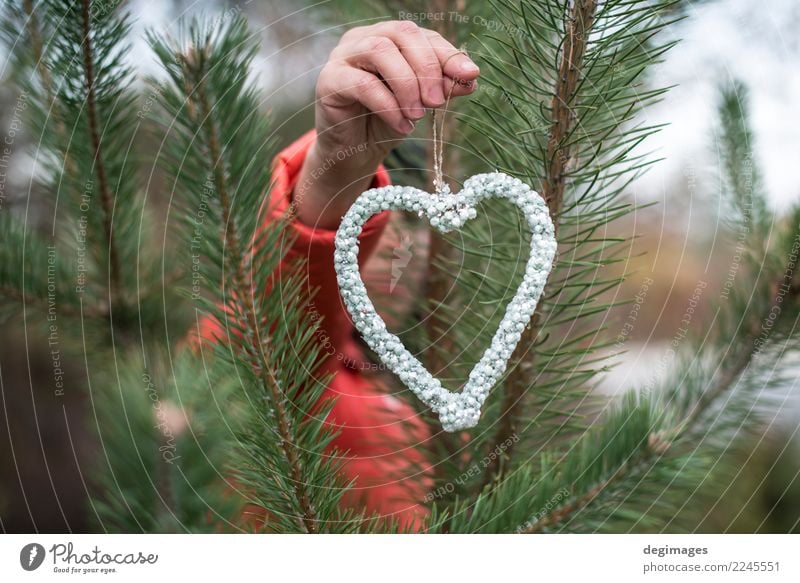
(436, 96)
(417, 111)
(469, 67)
(406, 126)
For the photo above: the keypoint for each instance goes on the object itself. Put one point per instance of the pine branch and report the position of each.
(559, 154)
(741, 332)
(81, 107)
(570, 73)
(243, 293)
(115, 277)
(659, 443)
(217, 139)
(563, 513)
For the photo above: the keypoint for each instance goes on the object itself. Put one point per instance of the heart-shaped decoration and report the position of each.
(446, 212)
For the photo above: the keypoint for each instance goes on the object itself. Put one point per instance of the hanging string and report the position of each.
(439, 185)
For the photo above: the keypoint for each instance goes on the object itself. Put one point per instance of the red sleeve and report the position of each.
(316, 247)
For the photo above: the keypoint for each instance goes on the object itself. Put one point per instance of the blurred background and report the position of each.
(681, 237)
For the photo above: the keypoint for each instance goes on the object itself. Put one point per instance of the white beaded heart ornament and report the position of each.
(447, 212)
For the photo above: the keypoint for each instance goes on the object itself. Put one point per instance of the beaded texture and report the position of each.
(447, 212)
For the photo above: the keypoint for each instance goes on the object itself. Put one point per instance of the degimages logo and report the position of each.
(31, 556)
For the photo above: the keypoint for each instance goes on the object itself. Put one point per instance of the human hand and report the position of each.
(377, 82)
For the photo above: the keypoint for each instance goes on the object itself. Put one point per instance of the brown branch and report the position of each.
(243, 293)
(563, 117)
(559, 155)
(106, 200)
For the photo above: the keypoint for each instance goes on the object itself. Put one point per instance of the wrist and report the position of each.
(330, 180)
(343, 161)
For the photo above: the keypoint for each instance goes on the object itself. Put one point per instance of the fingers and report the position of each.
(340, 86)
(420, 55)
(402, 66)
(378, 54)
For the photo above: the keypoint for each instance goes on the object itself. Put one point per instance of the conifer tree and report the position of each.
(189, 438)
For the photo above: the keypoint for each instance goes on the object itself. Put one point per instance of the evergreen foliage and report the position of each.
(190, 437)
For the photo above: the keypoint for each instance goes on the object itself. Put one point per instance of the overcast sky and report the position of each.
(757, 42)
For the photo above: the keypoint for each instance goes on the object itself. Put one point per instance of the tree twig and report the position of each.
(243, 294)
(106, 200)
(559, 155)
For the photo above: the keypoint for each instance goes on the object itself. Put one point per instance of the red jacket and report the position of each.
(379, 431)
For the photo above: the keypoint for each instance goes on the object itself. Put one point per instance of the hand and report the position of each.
(377, 83)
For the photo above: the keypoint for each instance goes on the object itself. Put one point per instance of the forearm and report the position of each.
(328, 183)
